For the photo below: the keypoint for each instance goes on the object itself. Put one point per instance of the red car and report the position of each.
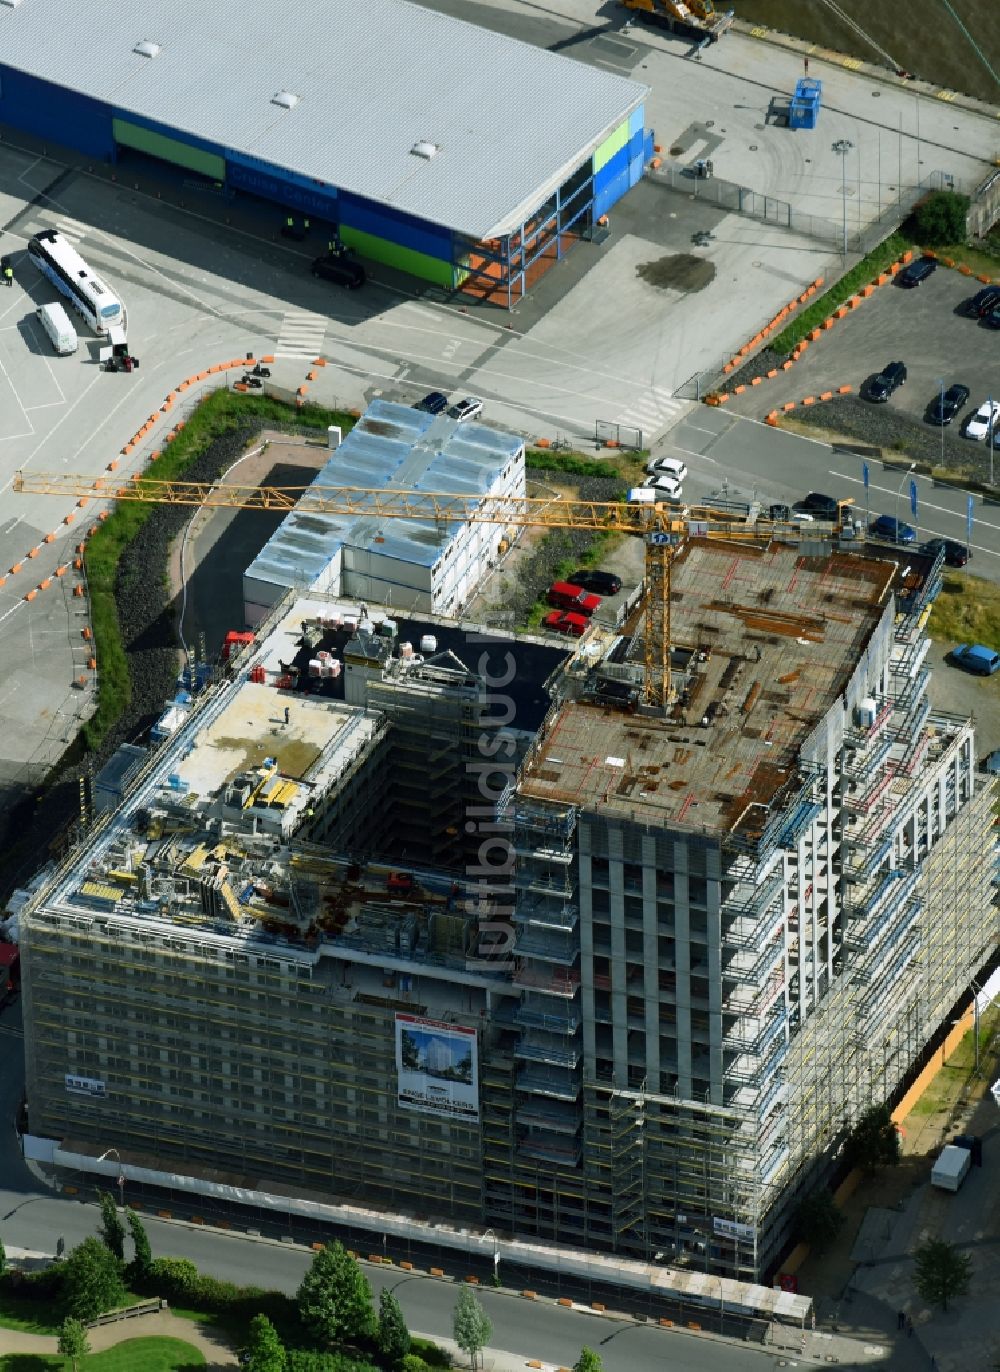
(565, 596)
(566, 622)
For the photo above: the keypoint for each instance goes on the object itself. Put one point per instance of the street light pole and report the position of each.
(842, 147)
(121, 1174)
(899, 492)
(491, 1234)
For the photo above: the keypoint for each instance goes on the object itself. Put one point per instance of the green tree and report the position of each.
(264, 1351)
(334, 1299)
(472, 1326)
(92, 1281)
(588, 1361)
(73, 1342)
(874, 1140)
(392, 1336)
(942, 218)
(941, 1272)
(112, 1229)
(142, 1253)
(818, 1220)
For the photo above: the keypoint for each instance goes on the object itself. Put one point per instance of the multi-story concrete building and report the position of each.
(632, 1001)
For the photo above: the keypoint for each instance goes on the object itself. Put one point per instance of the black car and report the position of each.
(944, 407)
(992, 319)
(601, 583)
(433, 403)
(888, 380)
(955, 554)
(916, 272)
(779, 514)
(819, 506)
(983, 302)
(341, 269)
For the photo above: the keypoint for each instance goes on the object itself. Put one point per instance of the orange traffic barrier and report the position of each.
(302, 390)
(240, 386)
(818, 282)
(128, 448)
(966, 271)
(45, 583)
(16, 568)
(656, 163)
(841, 313)
(722, 397)
(34, 552)
(112, 465)
(883, 278)
(738, 390)
(69, 518)
(786, 365)
(530, 1295)
(814, 334)
(49, 538)
(826, 395)
(268, 357)
(435, 1271)
(908, 255)
(319, 361)
(772, 419)
(756, 380)
(789, 405)
(596, 1305)
(78, 590)
(803, 345)
(543, 443)
(310, 376)
(61, 571)
(665, 1323)
(471, 1281)
(828, 323)
(693, 1324)
(564, 1300)
(727, 369)
(843, 390)
(773, 372)
(31, 595)
(809, 400)
(154, 455)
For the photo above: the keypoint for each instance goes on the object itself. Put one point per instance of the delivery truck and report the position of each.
(949, 1171)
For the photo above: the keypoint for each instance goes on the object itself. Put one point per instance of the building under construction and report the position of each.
(484, 939)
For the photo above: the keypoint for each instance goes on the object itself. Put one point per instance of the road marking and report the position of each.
(926, 504)
(301, 335)
(71, 229)
(651, 413)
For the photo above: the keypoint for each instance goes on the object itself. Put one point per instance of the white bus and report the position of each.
(62, 264)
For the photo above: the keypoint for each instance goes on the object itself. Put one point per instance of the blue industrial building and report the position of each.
(449, 152)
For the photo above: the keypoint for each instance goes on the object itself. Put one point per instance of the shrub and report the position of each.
(413, 1363)
(942, 218)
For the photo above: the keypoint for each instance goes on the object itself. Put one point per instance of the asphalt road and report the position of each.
(775, 464)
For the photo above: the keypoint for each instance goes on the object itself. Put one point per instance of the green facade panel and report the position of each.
(396, 255)
(611, 145)
(169, 149)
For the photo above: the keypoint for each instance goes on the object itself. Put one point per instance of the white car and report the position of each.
(471, 407)
(665, 485)
(983, 420)
(667, 466)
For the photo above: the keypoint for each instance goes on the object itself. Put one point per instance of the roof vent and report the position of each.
(147, 48)
(425, 150)
(285, 99)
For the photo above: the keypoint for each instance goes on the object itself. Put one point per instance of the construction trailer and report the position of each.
(689, 18)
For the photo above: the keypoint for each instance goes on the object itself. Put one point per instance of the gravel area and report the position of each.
(880, 426)
(759, 365)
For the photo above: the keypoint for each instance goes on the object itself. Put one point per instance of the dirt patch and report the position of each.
(680, 271)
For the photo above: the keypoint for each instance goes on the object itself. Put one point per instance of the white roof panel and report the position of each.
(373, 79)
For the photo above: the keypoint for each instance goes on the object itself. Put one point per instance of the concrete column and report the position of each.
(616, 905)
(651, 959)
(682, 923)
(586, 903)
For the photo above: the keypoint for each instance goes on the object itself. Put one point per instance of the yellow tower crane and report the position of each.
(659, 525)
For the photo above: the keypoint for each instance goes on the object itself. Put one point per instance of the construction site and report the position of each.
(610, 955)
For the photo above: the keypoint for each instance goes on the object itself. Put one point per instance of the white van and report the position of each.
(55, 321)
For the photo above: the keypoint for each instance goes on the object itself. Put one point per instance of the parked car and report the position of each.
(983, 302)
(955, 554)
(816, 506)
(975, 658)
(341, 269)
(603, 583)
(566, 595)
(666, 485)
(893, 529)
(992, 318)
(916, 272)
(779, 513)
(470, 407)
(979, 425)
(433, 403)
(889, 379)
(944, 407)
(667, 466)
(566, 622)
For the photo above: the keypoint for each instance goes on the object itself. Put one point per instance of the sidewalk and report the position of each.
(163, 1325)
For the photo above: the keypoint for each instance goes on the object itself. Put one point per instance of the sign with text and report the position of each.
(84, 1086)
(438, 1068)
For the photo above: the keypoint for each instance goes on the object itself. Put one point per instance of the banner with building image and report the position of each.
(437, 1067)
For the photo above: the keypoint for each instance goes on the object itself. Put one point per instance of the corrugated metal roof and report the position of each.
(391, 446)
(373, 79)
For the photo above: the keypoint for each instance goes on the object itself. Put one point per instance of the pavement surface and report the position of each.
(163, 1325)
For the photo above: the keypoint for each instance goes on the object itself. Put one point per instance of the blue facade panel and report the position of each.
(50, 112)
(612, 172)
(612, 192)
(396, 227)
(636, 120)
(271, 183)
(635, 171)
(636, 144)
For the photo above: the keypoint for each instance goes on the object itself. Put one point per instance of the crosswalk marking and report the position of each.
(653, 412)
(301, 335)
(72, 230)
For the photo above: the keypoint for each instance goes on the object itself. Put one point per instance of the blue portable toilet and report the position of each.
(803, 112)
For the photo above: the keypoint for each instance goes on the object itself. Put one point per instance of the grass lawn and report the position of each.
(134, 1355)
(27, 1316)
(983, 264)
(966, 611)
